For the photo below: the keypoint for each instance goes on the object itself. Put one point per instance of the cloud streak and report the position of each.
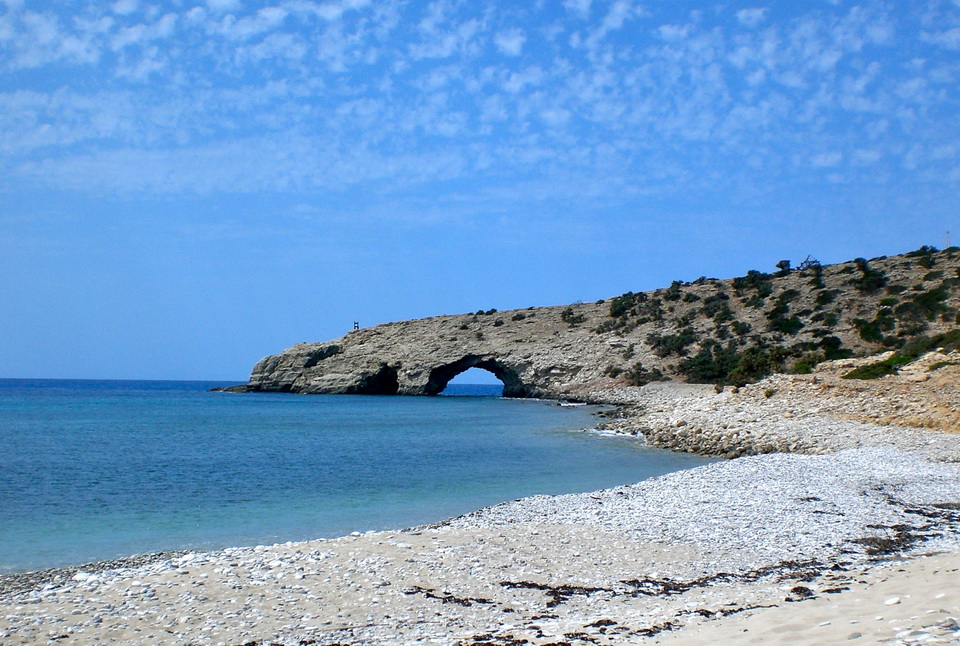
(303, 95)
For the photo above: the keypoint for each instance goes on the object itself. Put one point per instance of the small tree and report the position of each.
(784, 267)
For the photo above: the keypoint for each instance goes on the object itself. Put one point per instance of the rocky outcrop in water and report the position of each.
(703, 331)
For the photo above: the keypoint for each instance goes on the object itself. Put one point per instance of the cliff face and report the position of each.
(708, 330)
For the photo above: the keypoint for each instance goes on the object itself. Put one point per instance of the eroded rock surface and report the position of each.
(691, 331)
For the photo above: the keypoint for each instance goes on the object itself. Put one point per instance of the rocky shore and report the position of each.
(820, 525)
(821, 412)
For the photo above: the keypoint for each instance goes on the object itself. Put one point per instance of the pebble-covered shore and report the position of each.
(641, 563)
(918, 410)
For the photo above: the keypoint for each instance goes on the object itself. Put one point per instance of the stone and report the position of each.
(548, 353)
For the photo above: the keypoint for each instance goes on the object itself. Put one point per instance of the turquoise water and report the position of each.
(93, 470)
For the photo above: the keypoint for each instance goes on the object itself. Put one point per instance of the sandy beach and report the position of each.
(855, 540)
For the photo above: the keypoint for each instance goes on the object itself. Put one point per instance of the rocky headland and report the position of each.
(729, 331)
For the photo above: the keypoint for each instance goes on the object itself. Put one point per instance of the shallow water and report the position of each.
(99, 469)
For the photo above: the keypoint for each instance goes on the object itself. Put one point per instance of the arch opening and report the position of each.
(442, 375)
(476, 382)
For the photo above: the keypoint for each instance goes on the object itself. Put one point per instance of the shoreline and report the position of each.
(717, 550)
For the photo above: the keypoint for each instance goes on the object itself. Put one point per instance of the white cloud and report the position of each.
(618, 14)
(277, 45)
(510, 42)
(672, 33)
(330, 10)
(125, 7)
(555, 117)
(866, 157)
(810, 89)
(139, 70)
(751, 17)
(578, 7)
(267, 19)
(439, 44)
(222, 6)
(949, 39)
(827, 160)
(142, 34)
(517, 81)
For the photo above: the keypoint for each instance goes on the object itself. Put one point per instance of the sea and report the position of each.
(95, 470)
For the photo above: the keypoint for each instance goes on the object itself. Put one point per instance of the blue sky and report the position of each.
(189, 185)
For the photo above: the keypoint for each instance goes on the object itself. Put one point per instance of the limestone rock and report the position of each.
(572, 351)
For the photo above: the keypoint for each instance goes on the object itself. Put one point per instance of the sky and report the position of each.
(187, 186)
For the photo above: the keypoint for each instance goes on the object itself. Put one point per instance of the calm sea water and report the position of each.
(99, 469)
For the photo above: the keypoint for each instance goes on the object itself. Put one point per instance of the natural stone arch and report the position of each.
(441, 375)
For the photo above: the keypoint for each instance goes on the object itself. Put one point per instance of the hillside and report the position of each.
(709, 330)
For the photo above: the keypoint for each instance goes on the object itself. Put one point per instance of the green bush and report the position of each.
(870, 279)
(673, 292)
(711, 365)
(571, 318)
(637, 375)
(824, 297)
(621, 305)
(925, 250)
(614, 324)
(931, 302)
(790, 325)
(754, 280)
(665, 345)
(755, 363)
(869, 330)
(519, 316)
(918, 345)
(613, 371)
(879, 369)
(833, 348)
(716, 307)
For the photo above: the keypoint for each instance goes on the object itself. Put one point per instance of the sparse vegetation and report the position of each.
(673, 292)
(571, 318)
(825, 297)
(716, 307)
(879, 369)
(621, 305)
(910, 351)
(665, 345)
(637, 375)
(757, 281)
(870, 280)
(779, 321)
(806, 315)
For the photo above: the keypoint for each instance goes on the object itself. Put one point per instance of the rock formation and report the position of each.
(707, 330)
